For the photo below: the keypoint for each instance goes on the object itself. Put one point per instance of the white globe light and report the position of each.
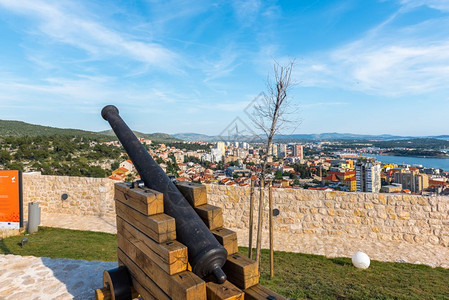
(360, 260)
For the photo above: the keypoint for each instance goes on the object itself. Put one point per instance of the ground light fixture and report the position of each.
(360, 260)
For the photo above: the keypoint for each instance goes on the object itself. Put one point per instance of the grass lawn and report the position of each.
(317, 277)
(296, 275)
(64, 243)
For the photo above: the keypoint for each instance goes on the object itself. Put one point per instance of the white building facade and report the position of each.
(367, 173)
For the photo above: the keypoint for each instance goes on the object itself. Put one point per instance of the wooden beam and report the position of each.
(170, 256)
(259, 292)
(103, 294)
(144, 200)
(184, 285)
(143, 284)
(227, 238)
(211, 215)
(225, 291)
(195, 193)
(161, 227)
(241, 271)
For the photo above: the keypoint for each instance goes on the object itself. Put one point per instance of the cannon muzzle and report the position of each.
(206, 255)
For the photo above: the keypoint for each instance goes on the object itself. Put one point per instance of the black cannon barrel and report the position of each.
(206, 255)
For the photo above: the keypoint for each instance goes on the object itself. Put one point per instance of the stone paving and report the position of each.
(29, 277)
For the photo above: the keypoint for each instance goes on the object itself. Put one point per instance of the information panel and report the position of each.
(10, 199)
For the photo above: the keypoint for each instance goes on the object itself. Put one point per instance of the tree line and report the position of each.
(59, 155)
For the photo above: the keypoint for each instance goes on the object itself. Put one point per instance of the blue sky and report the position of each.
(368, 67)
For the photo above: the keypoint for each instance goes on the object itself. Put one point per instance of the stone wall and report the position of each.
(86, 196)
(389, 227)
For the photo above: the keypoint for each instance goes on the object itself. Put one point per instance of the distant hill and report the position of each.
(294, 137)
(196, 137)
(18, 128)
(330, 136)
(163, 137)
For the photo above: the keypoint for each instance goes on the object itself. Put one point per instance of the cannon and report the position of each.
(206, 255)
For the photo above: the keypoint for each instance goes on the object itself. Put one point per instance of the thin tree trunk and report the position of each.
(260, 223)
(270, 213)
(251, 220)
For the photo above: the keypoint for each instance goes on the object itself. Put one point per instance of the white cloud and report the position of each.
(246, 10)
(223, 65)
(66, 25)
(388, 61)
(323, 104)
(436, 4)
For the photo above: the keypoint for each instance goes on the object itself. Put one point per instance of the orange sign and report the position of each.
(10, 199)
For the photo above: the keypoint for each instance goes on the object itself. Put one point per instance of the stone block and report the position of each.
(434, 240)
(409, 238)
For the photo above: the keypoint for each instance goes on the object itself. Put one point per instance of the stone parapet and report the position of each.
(390, 227)
(340, 223)
(86, 196)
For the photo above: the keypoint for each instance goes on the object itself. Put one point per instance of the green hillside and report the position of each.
(18, 128)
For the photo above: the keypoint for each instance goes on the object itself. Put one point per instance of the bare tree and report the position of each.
(270, 116)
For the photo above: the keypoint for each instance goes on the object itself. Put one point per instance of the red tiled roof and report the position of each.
(183, 178)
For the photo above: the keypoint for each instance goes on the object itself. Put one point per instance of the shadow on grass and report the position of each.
(4, 248)
(340, 261)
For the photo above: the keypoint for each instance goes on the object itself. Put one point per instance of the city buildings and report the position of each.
(298, 151)
(368, 175)
(412, 180)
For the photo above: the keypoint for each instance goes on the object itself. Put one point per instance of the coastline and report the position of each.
(417, 156)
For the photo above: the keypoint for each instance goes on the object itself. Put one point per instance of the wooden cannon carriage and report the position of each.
(157, 264)
(171, 244)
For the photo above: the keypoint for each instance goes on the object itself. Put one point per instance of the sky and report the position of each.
(367, 67)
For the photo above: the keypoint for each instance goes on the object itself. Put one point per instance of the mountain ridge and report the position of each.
(20, 128)
(328, 136)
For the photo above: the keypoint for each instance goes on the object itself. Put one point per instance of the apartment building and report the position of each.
(412, 180)
(367, 175)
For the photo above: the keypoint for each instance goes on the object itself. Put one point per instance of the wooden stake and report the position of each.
(251, 220)
(260, 223)
(270, 212)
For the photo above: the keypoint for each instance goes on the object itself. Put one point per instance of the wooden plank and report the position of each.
(143, 284)
(227, 238)
(259, 292)
(161, 227)
(184, 285)
(241, 271)
(103, 294)
(170, 256)
(144, 293)
(225, 291)
(211, 215)
(144, 200)
(195, 193)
